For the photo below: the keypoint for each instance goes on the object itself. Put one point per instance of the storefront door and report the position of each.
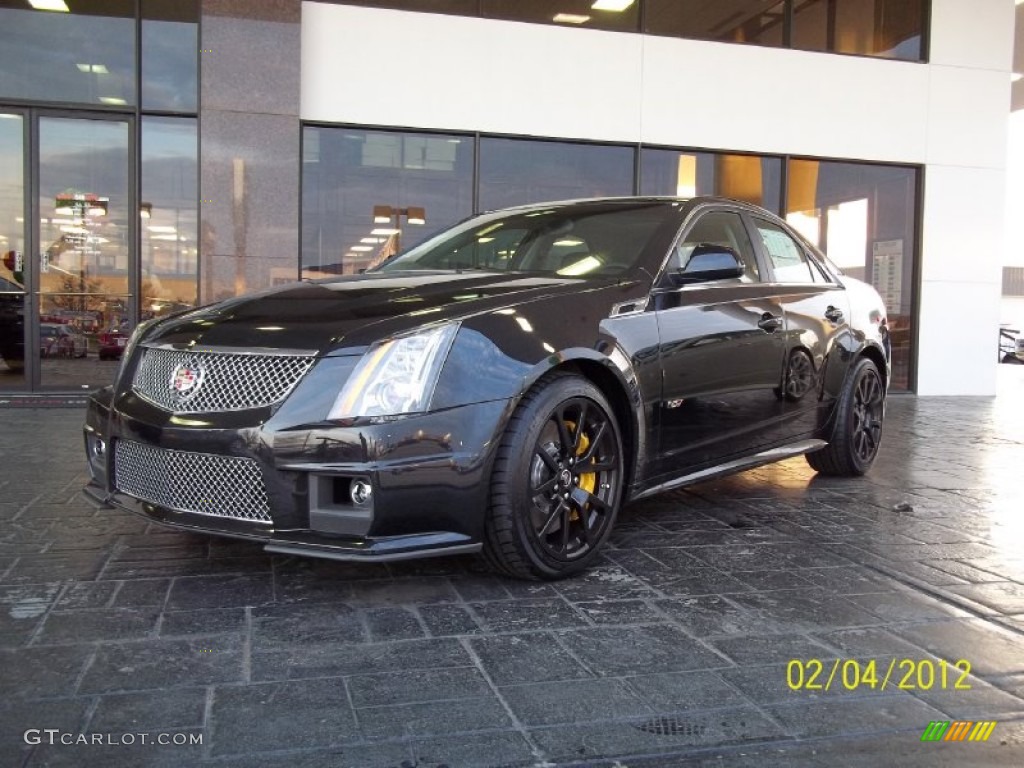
(70, 271)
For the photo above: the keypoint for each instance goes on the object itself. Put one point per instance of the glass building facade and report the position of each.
(98, 180)
(135, 182)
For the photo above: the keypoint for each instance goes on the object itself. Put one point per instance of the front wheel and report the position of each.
(557, 482)
(857, 430)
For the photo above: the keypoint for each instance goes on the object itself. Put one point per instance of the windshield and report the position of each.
(569, 240)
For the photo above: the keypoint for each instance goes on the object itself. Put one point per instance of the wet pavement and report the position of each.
(772, 618)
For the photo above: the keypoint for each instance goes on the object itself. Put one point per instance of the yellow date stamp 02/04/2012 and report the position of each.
(875, 675)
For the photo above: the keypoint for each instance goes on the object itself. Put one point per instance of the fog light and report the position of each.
(360, 491)
(95, 454)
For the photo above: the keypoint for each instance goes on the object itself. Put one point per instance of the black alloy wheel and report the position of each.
(857, 432)
(800, 377)
(557, 481)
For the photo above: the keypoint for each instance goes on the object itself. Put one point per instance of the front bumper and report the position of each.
(429, 476)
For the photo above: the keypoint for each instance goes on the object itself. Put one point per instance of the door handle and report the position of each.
(769, 322)
(834, 314)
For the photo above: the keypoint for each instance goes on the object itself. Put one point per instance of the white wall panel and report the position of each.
(963, 228)
(968, 117)
(957, 344)
(383, 67)
(962, 254)
(773, 100)
(972, 33)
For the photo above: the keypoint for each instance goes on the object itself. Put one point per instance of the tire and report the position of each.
(857, 429)
(547, 518)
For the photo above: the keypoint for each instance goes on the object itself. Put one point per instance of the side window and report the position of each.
(788, 259)
(718, 228)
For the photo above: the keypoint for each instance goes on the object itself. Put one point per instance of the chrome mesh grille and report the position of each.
(225, 381)
(223, 486)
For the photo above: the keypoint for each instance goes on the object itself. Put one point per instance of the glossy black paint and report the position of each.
(695, 373)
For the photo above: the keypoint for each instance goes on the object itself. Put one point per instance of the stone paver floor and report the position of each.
(674, 651)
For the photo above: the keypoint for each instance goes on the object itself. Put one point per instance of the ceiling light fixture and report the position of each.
(570, 18)
(617, 5)
(50, 5)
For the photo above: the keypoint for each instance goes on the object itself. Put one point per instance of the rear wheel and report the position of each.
(800, 377)
(557, 482)
(857, 432)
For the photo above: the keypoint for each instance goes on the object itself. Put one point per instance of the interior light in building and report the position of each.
(382, 214)
(145, 210)
(686, 176)
(361, 248)
(157, 228)
(568, 241)
(611, 5)
(114, 100)
(50, 5)
(486, 239)
(371, 240)
(415, 215)
(99, 69)
(384, 231)
(570, 18)
(581, 267)
(1015, 76)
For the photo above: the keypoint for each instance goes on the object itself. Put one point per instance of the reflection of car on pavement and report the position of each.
(504, 387)
(112, 342)
(12, 324)
(57, 340)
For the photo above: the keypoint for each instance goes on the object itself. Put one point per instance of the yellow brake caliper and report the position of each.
(587, 481)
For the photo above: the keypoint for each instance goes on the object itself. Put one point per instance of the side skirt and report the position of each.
(737, 465)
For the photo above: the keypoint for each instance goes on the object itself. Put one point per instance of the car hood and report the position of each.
(345, 315)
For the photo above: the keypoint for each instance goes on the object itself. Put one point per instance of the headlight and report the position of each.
(396, 376)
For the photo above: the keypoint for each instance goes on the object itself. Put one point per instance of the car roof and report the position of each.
(688, 203)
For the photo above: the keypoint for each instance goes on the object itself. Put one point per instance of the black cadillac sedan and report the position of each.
(504, 387)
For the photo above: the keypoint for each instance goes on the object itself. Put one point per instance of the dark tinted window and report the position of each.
(734, 21)
(619, 15)
(718, 228)
(85, 56)
(890, 28)
(170, 54)
(754, 179)
(169, 220)
(456, 7)
(862, 216)
(347, 173)
(517, 171)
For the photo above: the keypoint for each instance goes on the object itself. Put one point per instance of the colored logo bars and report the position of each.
(958, 730)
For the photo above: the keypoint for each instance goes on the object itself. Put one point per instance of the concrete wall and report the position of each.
(949, 115)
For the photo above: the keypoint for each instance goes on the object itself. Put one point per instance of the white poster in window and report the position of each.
(887, 273)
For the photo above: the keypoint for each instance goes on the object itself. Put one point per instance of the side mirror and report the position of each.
(710, 262)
